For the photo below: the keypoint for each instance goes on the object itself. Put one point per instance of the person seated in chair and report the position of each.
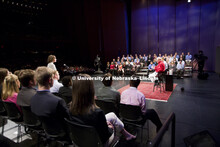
(158, 69)
(120, 69)
(56, 84)
(180, 69)
(188, 58)
(151, 67)
(10, 89)
(27, 91)
(46, 105)
(84, 109)
(107, 92)
(65, 92)
(132, 96)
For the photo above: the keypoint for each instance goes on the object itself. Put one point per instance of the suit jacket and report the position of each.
(66, 94)
(50, 109)
(109, 94)
(25, 95)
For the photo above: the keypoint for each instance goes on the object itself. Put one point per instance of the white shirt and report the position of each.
(52, 66)
(56, 86)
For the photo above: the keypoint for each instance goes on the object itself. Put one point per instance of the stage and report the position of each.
(196, 108)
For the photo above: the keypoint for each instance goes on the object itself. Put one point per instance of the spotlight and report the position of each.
(189, 1)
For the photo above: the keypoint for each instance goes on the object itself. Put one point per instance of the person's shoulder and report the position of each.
(140, 93)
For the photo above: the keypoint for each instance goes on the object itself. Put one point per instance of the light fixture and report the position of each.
(189, 1)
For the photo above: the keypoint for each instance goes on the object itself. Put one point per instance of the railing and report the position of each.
(156, 141)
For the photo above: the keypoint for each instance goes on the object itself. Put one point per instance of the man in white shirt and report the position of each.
(56, 85)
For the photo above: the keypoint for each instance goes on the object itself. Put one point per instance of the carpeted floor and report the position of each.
(147, 89)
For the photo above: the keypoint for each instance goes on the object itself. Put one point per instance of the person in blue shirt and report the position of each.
(188, 58)
(180, 69)
(151, 66)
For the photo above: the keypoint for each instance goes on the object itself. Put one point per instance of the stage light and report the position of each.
(189, 1)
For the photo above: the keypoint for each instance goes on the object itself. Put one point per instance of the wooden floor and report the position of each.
(197, 108)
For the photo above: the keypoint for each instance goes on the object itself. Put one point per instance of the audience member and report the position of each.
(132, 96)
(159, 68)
(46, 105)
(56, 84)
(51, 60)
(151, 67)
(10, 89)
(83, 107)
(27, 91)
(179, 69)
(107, 92)
(3, 73)
(65, 92)
(188, 58)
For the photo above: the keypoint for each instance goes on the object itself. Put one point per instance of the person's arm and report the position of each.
(102, 127)
(143, 104)
(62, 110)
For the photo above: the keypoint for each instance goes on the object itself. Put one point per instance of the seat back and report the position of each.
(12, 111)
(131, 113)
(30, 119)
(83, 135)
(107, 106)
(53, 127)
(2, 109)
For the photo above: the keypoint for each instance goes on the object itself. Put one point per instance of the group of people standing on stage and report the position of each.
(130, 64)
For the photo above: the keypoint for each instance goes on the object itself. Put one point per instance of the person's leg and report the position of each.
(152, 115)
(118, 125)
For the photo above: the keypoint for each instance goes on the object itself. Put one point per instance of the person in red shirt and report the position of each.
(159, 68)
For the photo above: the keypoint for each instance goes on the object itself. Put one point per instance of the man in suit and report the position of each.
(27, 90)
(49, 108)
(108, 93)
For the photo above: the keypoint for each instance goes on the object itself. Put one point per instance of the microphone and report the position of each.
(65, 65)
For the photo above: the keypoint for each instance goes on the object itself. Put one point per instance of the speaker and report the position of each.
(169, 82)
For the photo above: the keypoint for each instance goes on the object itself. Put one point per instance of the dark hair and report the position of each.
(25, 76)
(107, 81)
(3, 74)
(135, 83)
(82, 95)
(66, 81)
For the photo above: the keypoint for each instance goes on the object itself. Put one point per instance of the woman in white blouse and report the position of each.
(51, 60)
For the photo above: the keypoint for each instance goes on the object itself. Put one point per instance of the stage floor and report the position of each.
(197, 108)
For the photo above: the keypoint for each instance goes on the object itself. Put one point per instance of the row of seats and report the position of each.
(76, 132)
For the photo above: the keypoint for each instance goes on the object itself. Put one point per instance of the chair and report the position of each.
(107, 106)
(3, 114)
(160, 82)
(84, 135)
(32, 121)
(14, 115)
(54, 130)
(132, 115)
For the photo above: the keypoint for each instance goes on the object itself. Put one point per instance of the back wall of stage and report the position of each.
(76, 31)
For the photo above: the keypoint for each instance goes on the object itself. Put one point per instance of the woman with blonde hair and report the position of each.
(10, 89)
(51, 60)
(83, 107)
